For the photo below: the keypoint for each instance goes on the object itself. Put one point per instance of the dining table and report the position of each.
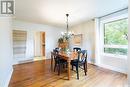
(69, 56)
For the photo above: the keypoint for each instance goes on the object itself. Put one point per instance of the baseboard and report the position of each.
(22, 61)
(25, 61)
(8, 78)
(109, 67)
(112, 68)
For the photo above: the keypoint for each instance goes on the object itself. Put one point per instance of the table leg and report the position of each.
(68, 69)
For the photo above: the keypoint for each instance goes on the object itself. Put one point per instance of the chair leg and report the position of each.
(55, 67)
(58, 69)
(77, 71)
(85, 68)
(51, 62)
(72, 67)
(66, 65)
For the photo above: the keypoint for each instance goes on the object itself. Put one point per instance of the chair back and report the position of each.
(56, 51)
(77, 49)
(82, 55)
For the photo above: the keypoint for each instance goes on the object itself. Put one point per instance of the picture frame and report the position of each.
(77, 39)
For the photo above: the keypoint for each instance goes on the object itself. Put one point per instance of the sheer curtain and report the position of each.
(97, 41)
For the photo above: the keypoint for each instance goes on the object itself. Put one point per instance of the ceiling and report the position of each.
(52, 12)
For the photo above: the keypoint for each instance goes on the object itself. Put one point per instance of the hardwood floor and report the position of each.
(39, 74)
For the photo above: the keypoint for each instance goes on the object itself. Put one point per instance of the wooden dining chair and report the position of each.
(80, 61)
(75, 49)
(58, 61)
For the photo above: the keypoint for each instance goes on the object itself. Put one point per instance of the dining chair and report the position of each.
(80, 61)
(58, 61)
(75, 49)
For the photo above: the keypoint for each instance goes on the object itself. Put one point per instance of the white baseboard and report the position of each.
(8, 78)
(113, 68)
(108, 67)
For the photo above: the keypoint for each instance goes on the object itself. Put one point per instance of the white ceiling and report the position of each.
(52, 12)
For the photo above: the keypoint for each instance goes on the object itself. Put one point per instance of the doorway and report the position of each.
(42, 43)
(39, 47)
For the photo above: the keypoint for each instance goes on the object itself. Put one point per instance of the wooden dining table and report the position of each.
(66, 56)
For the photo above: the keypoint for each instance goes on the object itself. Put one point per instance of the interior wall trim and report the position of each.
(113, 12)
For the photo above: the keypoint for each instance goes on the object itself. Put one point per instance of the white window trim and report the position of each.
(116, 46)
(115, 56)
(102, 22)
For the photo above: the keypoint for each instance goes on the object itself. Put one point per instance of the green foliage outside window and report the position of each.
(116, 33)
(119, 51)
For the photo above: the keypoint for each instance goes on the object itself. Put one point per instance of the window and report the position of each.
(116, 37)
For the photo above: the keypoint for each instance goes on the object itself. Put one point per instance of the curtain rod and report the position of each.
(113, 12)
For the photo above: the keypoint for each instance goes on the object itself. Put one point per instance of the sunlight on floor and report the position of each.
(39, 58)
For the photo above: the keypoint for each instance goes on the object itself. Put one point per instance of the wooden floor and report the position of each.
(39, 74)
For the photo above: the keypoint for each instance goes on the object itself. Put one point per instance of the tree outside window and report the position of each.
(116, 37)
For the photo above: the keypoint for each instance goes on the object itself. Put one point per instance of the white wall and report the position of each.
(37, 44)
(87, 29)
(6, 57)
(52, 35)
(111, 62)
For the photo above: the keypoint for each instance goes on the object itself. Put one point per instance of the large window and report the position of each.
(116, 37)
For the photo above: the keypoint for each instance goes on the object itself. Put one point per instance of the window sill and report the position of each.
(115, 56)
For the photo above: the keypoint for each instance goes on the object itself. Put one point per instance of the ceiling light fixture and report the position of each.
(68, 33)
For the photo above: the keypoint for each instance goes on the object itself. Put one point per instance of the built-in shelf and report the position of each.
(19, 43)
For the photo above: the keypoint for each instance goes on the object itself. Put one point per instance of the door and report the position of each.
(43, 43)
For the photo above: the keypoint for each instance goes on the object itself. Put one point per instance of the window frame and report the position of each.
(102, 35)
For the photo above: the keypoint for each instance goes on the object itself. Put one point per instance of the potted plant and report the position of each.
(60, 40)
(63, 43)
